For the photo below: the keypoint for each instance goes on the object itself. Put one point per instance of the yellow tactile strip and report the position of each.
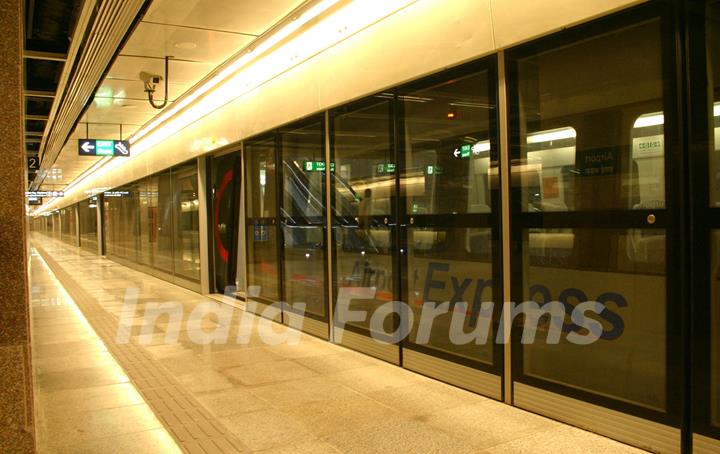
(194, 429)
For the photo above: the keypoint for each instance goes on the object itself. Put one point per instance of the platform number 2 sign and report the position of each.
(33, 164)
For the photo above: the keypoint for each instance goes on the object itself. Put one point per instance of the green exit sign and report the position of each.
(465, 151)
(386, 168)
(433, 170)
(317, 166)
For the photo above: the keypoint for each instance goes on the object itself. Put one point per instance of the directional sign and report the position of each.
(38, 194)
(317, 166)
(35, 201)
(463, 152)
(99, 147)
(386, 167)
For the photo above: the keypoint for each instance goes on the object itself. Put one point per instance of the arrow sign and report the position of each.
(456, 153)
(103, 147)
(87, 147)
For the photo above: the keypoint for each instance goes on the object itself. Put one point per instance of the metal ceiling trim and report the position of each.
(102, 28)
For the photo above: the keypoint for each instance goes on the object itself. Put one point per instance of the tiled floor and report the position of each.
(84, 400)
(313, 397)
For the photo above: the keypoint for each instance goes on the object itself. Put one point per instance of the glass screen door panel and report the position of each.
(705, 102)
(589, 214)
(262, 236)
(164, 257)
(303, 216)
(364, 191)
(226, 184)
(148, 220)
(187, 223)
(448, 140)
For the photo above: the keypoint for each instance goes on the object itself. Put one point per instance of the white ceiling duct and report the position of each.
(101, 29)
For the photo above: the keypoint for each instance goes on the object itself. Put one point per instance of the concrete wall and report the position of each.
(16, 399)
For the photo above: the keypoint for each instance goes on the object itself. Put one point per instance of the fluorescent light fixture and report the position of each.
(653, 119)
(253, 51)
(551, 135)
(480, 147)
(473, 105)
(269, 56)
(413, 98)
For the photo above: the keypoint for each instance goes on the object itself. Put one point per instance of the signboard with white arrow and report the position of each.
(98, 147)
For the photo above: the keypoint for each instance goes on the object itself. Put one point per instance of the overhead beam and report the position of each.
(39, 94)
(38, 55)
(36, 117)
(33, 140)
(34, 133)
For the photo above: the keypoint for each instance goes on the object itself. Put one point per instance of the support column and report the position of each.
(16, 396)
(204, 239)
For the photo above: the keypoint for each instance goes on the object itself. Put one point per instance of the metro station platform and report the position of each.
(95, 394)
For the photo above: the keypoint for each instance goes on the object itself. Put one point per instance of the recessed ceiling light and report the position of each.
(186, 45)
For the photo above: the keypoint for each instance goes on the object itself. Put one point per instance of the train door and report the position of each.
(225, 174)
(595, 228)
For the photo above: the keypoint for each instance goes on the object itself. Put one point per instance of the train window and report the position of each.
(579, 135)
(549, 173)
(447, 147)
(588, 139)
(647, 183)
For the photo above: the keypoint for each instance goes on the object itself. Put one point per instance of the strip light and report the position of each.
(259, 63)
(552, 134)
(648, 120)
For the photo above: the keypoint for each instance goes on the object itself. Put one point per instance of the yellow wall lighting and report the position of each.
(320, 26)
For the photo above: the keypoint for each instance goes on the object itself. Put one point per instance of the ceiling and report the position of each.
(198, 35)
(48, 27)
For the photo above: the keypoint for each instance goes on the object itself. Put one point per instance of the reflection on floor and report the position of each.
(311, 397)
(84, 401)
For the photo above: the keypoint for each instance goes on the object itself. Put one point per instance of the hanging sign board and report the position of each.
(41, 194)
(98, 147)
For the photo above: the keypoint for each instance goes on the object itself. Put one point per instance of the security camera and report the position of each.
(150, 80)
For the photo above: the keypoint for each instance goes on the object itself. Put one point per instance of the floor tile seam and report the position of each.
(74, 289)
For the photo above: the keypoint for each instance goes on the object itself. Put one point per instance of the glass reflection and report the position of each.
(628, 361)
(712, 35)
(303, 216)
(584, 128)
(154, 223)
(364, 189)
(448, 129)
(87, 215)
(163, 258)
(591, 139)
(186, 222)
(262, 253)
